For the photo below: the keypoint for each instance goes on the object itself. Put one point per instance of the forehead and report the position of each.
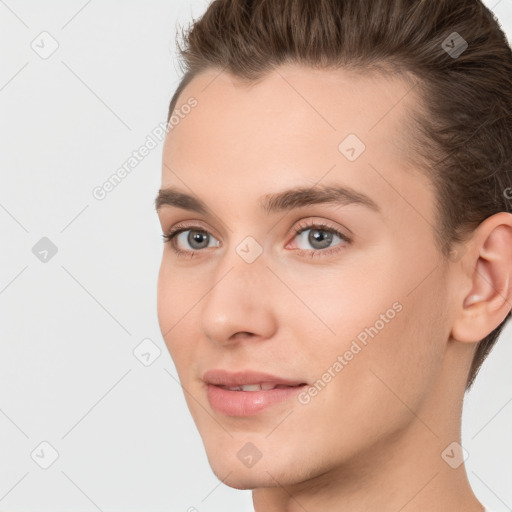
(296, 126)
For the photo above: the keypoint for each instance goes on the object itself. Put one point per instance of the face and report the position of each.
(339, 288)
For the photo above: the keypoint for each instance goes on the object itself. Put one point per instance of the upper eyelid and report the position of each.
(194, 225)
(309, 225)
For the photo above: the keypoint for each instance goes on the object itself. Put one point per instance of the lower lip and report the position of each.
(248, 403)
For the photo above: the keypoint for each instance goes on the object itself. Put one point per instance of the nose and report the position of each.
(240, 303)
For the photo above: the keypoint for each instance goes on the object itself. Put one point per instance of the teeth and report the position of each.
(264, 386)
(251, 387)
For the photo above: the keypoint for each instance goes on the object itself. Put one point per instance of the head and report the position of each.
(344, 172)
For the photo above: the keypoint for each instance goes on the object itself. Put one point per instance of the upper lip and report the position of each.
(220, 377)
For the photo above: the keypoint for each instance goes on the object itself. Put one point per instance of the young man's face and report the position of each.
(364, 322)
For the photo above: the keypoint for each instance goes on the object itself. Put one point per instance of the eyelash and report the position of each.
(169, 238)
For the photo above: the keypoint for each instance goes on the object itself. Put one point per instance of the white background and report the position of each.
(68, 327)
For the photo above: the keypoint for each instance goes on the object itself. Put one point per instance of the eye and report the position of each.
(320, 237)
(197, 239)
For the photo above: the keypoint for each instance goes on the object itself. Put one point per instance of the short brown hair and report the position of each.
(463, 130)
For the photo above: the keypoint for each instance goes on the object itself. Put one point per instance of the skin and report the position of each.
(373, 438)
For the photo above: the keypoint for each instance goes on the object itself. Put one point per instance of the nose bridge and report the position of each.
(239, 297)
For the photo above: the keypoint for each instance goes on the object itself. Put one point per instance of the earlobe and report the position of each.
(489, 299)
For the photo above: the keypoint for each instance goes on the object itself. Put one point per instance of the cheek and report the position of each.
(383, 366)
(383, 322)
(171, 306)
(403, 352)
(164, 300)
(177, 295)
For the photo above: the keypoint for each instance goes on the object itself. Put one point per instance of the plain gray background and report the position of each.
(69, 325)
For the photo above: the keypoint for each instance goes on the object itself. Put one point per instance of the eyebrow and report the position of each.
(297, 197)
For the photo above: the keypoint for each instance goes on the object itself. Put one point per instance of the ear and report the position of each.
(489, 260)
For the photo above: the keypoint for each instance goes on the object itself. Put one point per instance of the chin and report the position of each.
(244, 478)
(271, 470)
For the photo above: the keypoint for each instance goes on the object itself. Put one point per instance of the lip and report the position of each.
(247, 403)
(220, 377)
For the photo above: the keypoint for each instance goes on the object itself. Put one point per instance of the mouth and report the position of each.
(264, 386)
(248, 393)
